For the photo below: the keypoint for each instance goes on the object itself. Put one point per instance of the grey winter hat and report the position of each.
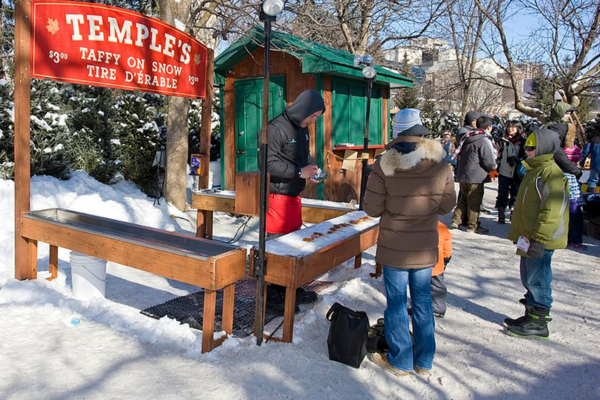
(545, 141)
(405, 119)
(471, 116)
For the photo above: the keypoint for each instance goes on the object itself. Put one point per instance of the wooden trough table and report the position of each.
(293, 262)
(196, 261)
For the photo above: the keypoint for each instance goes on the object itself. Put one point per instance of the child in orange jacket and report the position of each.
(438, 287)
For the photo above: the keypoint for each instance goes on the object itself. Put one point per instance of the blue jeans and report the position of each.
(401, 354)
(536, 276)
(575, 234)
(592, 181)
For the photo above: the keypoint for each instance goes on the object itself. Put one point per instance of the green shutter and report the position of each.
(349, 113)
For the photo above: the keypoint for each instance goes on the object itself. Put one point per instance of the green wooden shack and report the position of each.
(296, 65)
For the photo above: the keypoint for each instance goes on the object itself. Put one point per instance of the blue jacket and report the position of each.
(593, 150)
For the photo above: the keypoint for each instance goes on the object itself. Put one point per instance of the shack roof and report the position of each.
(315, 58)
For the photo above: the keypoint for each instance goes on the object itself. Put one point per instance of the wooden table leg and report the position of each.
(53, 263)
(208, 323)
(228, 302)
(358, 261)
(378, 271)
(288, 314)
(204, 224)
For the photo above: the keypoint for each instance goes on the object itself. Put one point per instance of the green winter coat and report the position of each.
(541, 211)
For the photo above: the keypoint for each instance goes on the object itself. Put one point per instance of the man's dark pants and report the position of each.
(469, 204)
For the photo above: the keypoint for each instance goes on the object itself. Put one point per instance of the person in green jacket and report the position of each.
(539, 226)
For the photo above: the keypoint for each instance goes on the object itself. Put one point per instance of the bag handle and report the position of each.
(334, 308)
(338, 307)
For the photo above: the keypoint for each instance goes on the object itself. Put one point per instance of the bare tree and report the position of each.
(569, 39)
(463, 23)
(565, 43)
(360, 26)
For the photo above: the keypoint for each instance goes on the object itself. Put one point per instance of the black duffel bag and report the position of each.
(347, 341)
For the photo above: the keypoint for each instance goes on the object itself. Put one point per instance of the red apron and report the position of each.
(284, 214)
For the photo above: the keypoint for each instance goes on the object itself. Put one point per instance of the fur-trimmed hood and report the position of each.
(393, 160)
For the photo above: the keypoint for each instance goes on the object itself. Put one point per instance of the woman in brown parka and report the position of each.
(408, 188)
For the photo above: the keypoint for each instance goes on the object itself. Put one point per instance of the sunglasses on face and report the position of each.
(529, 148)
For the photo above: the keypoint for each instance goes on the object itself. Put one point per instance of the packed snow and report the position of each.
(56, 346)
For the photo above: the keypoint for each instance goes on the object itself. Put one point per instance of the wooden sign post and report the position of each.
(25, 250)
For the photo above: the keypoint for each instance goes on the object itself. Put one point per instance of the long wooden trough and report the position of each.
(299, 257)
(193, 260)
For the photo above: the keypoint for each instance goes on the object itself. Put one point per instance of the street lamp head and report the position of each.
(358, 60)
(272, 7)
(369, 72)
(367, 60)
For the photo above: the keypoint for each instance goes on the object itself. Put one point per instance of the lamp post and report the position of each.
(269, 10)
(370, 74)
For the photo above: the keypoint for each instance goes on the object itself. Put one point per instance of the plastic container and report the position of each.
(88, 276)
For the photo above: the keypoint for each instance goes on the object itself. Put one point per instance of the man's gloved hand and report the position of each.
(512, 161)
(536, 249)
(573, 206)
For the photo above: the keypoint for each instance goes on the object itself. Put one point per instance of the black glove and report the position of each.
(512, 161)
(536, 249)
(447, 260)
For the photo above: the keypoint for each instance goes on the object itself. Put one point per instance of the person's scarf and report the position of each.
(471, 134)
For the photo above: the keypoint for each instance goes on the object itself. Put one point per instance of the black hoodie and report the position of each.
(288, 149)
(560, 157)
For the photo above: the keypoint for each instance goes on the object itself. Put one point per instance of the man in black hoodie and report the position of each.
(560, 122)
(289, 165)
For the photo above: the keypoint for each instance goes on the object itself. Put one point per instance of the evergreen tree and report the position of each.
(49, 134)
(407, 97)
(431, 118)
(195, 116)
(48, 131)
(544, 87)
(7, 38)
(7, 149)
(452, 122)
(93, 137)
(138, 123)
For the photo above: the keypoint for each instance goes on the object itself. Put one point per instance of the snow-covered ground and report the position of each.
(117, 353)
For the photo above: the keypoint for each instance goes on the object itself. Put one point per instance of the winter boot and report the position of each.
(535, 324)
(508, 322)
(501, 216)
(376, 342)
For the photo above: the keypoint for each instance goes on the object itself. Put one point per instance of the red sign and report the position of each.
(101, 45)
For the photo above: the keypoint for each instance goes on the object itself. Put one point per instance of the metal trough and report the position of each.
(190, 246)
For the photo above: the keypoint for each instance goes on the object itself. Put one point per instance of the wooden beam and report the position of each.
(206, 127)
(24, 268)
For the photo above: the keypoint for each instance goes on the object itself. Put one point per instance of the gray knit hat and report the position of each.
(405, 119)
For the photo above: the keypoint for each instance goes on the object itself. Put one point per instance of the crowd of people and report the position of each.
(413, 183)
